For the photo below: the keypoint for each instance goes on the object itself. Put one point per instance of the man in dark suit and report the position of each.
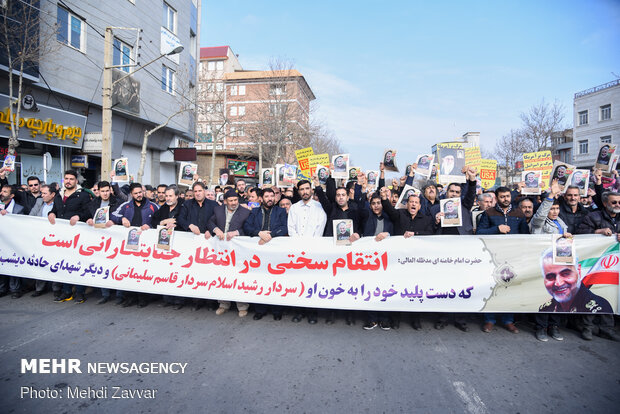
(225, 223)
(9, 206)
(267, 221)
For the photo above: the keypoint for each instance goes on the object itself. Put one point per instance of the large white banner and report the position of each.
(424, 273)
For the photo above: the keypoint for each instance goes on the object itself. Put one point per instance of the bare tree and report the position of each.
(539, 123)
(280, 119)
(212, 117)
(185, 98)
(510, 148)
(24, 41)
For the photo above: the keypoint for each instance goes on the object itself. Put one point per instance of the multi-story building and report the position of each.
(66, 82)
(596, 117)
(241, 108)
(562, 146)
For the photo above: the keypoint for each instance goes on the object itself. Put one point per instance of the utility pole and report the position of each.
(106, 107)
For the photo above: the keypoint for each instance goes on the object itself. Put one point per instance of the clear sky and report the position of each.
(408, 74)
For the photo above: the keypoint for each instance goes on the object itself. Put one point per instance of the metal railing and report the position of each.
(597, 88)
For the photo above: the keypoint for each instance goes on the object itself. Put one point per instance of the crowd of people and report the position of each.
(309, 209)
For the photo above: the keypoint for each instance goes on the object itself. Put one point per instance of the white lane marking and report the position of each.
(468, 395)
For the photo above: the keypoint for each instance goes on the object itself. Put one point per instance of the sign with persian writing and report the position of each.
(425, 273)
(49, 126)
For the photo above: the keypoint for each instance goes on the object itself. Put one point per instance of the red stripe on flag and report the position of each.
(601, 278)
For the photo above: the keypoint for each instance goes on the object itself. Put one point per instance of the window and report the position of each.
(167, 79)
(583, 118)
(241, 110)
(170, 18)
(121, 55)
(219, 87)
(211, 65)
(237, 90)
(605, 112)
(606, 139)
(277, 89)
(237, 131)
(233, 111)
(70, 29)
(277, 109)
(219, 65)
(583, 147)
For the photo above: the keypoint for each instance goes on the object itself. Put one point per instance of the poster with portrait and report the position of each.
(407, 192)
(164, 237)
(389, 160)
(267, 177)
(343, 229)
(226, 177)
(121, 170)
(581, 180)
(451, 159)
(434, 172)
(187, 170)
(353, 171)
(604, 159)
(9, 163)
(532, 182)
(285, 175)
(425, 165)
(322, 173)
(133, 238)
(341, 166)
(561, 171)
(563, 250)
(372, 180)
(101, 217)
(451, 209)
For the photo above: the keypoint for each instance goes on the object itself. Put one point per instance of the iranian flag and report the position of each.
(602, 270)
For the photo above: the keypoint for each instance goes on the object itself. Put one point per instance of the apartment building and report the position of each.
(596, 117)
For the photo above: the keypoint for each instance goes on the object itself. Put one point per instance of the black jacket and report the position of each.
(75, 205)
(334, 212)
(419, 225)
(599, 219)
(95, 203)
(164, 213)
(192, 213)
(572, 220)
(468, 191)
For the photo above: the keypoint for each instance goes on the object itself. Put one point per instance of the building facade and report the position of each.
(562, 146)
(596, 117)
(68, 80)
(243, 113)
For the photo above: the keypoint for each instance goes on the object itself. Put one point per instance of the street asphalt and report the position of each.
(241, 365)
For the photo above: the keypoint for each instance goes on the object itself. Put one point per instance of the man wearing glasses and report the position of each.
(605, 221)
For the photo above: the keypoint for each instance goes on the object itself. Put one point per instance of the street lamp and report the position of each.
(106, 104)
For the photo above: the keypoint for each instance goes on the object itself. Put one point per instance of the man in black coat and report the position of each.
(195, 213)
(71, 204)
(267, 221)
(225, 223)
(409, 222)
(605, 221)
(9, 206)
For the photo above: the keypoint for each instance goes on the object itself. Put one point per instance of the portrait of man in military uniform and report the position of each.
(568, 294)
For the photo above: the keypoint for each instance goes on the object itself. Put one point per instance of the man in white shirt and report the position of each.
(306, 218)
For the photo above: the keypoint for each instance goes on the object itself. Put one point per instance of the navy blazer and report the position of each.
(218, 219)
(277, 223)
(371, 224)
